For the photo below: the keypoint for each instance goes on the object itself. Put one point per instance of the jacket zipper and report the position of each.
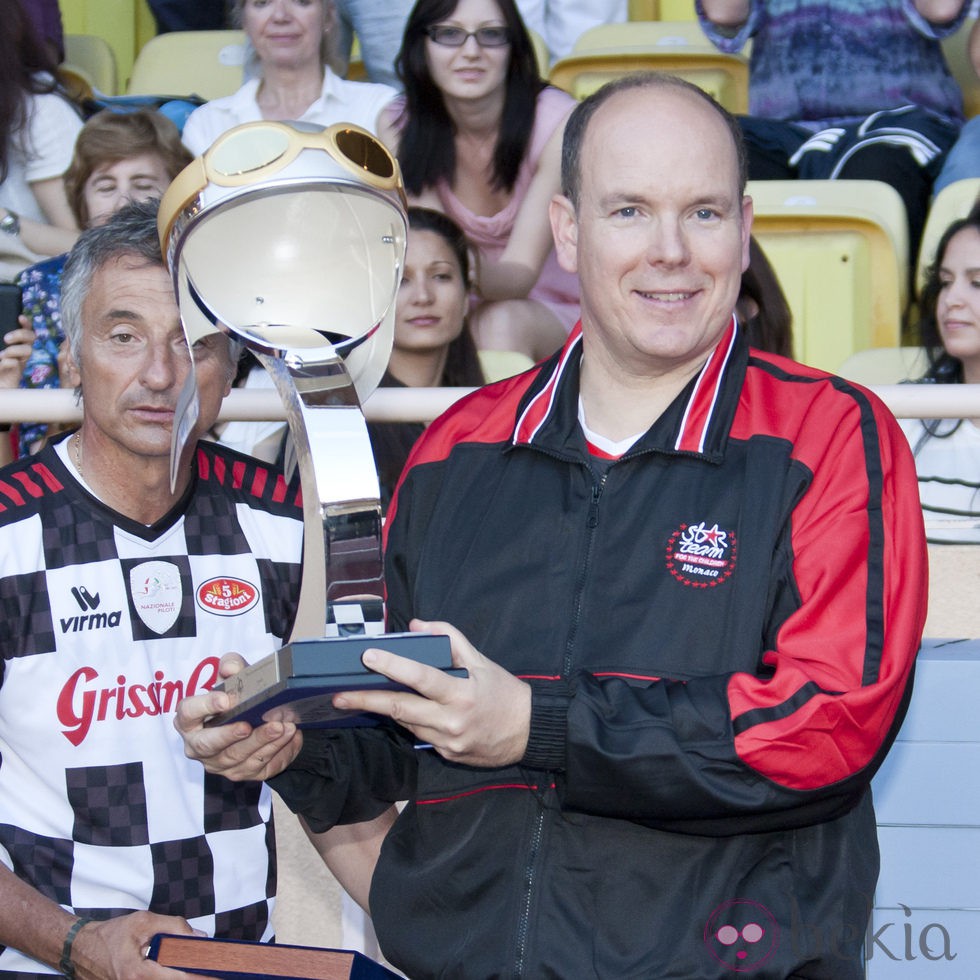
(528, 890)
(591, 522)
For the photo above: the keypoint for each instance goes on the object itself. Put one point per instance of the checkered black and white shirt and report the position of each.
(104, 624)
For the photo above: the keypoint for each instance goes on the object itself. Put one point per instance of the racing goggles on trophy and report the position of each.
(290, 238)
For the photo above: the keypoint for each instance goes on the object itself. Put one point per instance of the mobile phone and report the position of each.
(10, 309)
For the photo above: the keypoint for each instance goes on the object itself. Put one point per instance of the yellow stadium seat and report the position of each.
(500, 364)
(958, 59)
(884, 365)
(540, 52)
(840, 251)
(356, 71)
(145, 26)
(661, 10)
(678, 47)
(93, 57)
(209, 64)
(122, 23)
(952, 202)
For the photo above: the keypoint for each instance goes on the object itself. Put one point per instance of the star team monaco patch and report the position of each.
(226, 596)
(701, 556)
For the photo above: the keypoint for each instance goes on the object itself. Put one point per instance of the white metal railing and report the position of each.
(424, 404)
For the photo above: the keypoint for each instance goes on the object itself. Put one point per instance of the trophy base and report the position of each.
(298, 682)
(240, 960)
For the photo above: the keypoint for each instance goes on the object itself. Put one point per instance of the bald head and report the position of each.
(658, 86)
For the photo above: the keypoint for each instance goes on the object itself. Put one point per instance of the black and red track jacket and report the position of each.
(719, 629)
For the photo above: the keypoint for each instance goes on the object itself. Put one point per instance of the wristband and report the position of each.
(66, 966)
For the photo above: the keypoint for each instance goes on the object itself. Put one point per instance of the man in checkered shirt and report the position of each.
(118, 596)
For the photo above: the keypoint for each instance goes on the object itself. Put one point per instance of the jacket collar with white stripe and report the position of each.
(697, 421)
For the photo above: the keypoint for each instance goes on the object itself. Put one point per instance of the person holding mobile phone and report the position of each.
(118, 157)
(16, 341)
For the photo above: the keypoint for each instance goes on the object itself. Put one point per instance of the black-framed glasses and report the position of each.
(456, 37)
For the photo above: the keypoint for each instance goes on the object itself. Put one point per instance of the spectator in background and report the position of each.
(119, 157)
(560, 23)
(478, 136)
(188, 15)
(839, 89)
(947, 451)
(293, 47)
(762, 307)
(378, 25)
(433, 346)
(963, 160)
(45, 15)
(38, 126)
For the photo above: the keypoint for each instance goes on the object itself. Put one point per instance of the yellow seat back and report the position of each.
(500, 364)
(840, 252)
(93, 57)
(952, 202)
(677, 47)
(955, 50)
(209, 64)
(884, 365)
(125, 25)
(661, 10)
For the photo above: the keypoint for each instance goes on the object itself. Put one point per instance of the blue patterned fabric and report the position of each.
(40, 287)
(832, 62)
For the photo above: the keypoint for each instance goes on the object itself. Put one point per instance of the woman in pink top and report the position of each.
(478, 136)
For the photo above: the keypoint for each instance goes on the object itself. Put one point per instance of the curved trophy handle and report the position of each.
(341, 509)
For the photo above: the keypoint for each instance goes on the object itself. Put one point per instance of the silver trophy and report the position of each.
(291, 238)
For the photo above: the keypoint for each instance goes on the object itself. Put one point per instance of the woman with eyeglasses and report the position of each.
(478, 137)
(292, 43)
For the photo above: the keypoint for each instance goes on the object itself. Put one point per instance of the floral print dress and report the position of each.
(40, 286)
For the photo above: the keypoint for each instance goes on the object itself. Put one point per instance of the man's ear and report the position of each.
(68, 372)
(747, 215)
(564, 230)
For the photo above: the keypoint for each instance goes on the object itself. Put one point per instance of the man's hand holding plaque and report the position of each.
(457, 713)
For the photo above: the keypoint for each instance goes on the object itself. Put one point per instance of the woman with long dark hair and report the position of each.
(762, 307)
(432, 346)
(947, 451)
(478, 136)
(37, 134)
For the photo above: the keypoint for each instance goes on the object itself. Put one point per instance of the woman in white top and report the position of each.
(292, 52)
(947, 451)
(37, 136)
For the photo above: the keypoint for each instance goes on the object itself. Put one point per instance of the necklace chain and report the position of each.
(76, 448)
